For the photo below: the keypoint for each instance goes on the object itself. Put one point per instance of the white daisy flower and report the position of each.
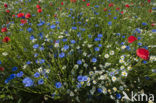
(113, 78)
(129, 67)
(111, 52)
(94, 82)
(115, 89)
(106, 55)
(56, 45)
(4, 53)
(121, 61)
(71, 94)
(122, 67)
(122, 57)
(91, 73)
(84, 53)
(123, 47)
(124, 73)
(39, 69)
(104, 90)
(88, 83)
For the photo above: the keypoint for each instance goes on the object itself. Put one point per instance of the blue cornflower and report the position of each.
(96, 49)
(96, 25)
(118, 96)
(109, 23)
(79, 62)
(78, 85)
(35, 46)
(85, 78)
(139, 38)
(73, 41)
(40, 81)
(122, 43)
(53, 26)
(147, 78)
(7, 80)
(153, 30)
(36, 54)
(118, 34)
(100, 45)
(61, 55)
(115, 18)
(144, 24)
(80, 78)
(123, 36)
(20, 74)
(58, 85)
(0, 62)
(64, 40)
(12, 76)
(74, 28)
(32, 37)
(96, 6)
(28, 62)
(139, 44)
(146, 47)
(144, 62)
(41, 23)
(94, 60)
(138, 30)
(99, 90)
(82, 29)
(37, 74)
(89, 36)
(109, 13)
(28, 82)
(128, 47)
(57, 22)
(42, 61)
(29, 30)
(66, 47)
(14, 68)
(97, 39)
(100, 35)
(41, 48)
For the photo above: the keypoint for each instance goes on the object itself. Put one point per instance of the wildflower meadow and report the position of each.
(77, 51)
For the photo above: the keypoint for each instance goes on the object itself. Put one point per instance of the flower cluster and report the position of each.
(74, 49)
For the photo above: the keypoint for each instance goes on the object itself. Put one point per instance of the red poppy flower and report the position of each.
(143, 53)
(111, 5)
(6, 39)
(105, 9)
(28, 15)
(131, 39)
(88, 4)
(62, 3)
(8, 11)
(23, 21)
(1, 69)
(150, 10)
(19, 15)
(13, 15)
(122, 12)
(117, 8)
(39, 10)
(5, 5)
(38, 7)
(83, 0)
(4, 29)
(149, 1)
(127, 6)
(153, 24)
